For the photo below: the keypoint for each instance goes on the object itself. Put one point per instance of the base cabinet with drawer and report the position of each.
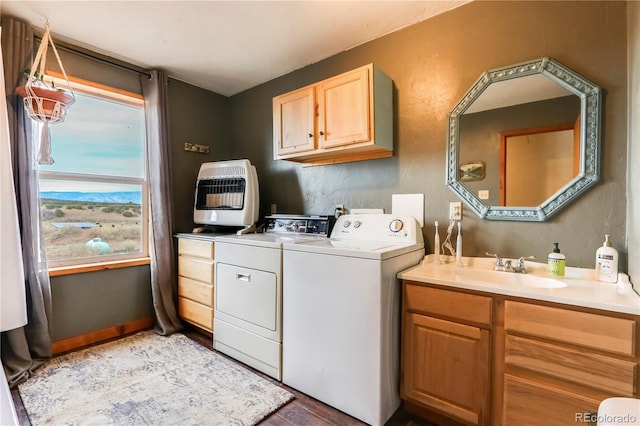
(196, 281)
(446, 352)
(561, 363)
(484, 358)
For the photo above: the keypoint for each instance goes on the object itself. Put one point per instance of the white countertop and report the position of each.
(206, 236)
(579, 286)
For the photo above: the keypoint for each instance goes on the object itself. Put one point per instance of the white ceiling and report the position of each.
(223, 46)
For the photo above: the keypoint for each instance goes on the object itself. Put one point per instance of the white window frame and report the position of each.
(93, 263)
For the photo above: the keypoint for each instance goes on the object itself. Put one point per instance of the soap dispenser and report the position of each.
(556, 262)
(607, 262)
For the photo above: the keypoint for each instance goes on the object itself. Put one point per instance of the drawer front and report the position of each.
(451, 304)
(610, 334)
(533, 404)
(198, 269)
(196, 313)
(610, 375)
(196, 290)
(197, 248)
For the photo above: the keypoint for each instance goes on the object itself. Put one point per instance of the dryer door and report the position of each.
(247, 294)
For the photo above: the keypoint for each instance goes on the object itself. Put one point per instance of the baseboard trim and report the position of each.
(99, 336)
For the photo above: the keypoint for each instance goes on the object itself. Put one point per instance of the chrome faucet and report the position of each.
(507, 265)
(499, 265)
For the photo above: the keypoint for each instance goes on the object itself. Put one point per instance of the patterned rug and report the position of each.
(146, 379)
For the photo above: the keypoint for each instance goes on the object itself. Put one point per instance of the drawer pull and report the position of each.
(241, 276)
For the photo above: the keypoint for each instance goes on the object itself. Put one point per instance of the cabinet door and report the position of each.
(293, 122)
(446, 367)
(344, 110)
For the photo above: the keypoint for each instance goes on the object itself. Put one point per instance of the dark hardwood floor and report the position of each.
(301, 411)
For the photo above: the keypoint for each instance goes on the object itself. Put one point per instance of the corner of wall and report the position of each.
(633, 142)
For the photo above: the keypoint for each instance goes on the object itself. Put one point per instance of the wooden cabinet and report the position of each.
(294, 122)
(446, 352)
(483, 358)
(345, 118)
(563, 362)
(195, 282)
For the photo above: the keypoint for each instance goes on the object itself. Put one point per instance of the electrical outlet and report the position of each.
(455, 210)
(483, 194)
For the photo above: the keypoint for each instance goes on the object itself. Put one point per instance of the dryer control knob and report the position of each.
(346, 224)
(396, 225)
(357, 224)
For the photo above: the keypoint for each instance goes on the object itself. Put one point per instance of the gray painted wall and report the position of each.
(200, 117)
(432, 64)
(82, 303)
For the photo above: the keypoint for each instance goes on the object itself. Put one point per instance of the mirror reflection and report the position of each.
(534, 144)
(524, 141)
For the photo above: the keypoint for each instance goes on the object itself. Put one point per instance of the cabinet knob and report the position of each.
(310, 135)
(321, 133)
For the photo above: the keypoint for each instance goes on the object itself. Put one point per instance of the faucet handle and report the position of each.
(523, 258)
(497, 256)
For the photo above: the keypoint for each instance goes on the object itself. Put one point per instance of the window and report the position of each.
(94, 198)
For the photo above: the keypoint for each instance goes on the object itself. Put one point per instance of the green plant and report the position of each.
(38, 80)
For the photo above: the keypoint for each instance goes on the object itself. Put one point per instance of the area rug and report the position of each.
(146, 379)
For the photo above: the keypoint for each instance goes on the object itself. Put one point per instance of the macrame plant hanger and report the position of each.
(44, 104)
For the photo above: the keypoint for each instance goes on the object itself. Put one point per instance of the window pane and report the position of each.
(86, 219)
(94, 197)
(99, 136)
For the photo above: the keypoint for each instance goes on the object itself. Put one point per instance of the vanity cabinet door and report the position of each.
(446, 367)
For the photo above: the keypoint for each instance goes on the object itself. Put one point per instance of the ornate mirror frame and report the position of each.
(590, 109)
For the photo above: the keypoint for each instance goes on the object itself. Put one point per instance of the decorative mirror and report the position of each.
(524, 141)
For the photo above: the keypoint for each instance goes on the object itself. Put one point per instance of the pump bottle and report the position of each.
(607, 262)
(556, 262)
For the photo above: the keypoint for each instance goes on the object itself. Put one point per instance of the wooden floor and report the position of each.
(301, 411)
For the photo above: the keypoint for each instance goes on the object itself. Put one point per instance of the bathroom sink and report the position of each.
(510, 278)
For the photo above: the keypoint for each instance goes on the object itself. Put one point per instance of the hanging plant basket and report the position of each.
(45, 103)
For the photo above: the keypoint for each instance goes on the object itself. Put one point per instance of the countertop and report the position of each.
(582, 289)
(207, 236)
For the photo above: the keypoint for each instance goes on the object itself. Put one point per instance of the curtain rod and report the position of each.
(62, 45)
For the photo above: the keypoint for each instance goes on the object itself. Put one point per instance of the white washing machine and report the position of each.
(248, 289)
(341, 313)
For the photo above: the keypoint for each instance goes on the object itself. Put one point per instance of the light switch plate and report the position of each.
(455, 210)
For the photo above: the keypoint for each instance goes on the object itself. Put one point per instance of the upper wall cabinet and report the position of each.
(345, 118)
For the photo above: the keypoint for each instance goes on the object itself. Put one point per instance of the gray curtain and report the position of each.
(163, 267)
(24, 349)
